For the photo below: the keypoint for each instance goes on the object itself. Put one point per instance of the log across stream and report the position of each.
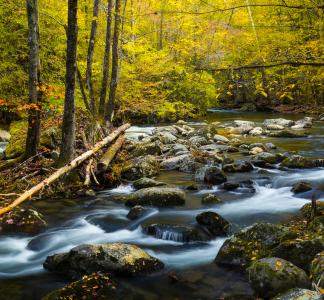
(100, 220)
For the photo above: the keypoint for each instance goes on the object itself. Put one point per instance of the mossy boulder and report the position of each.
(211, 175)
(317, 269)
(286, 133)
(23, 221)
(210, 199)
(144, 166)
(138, 212)
(214, 223)
(298, 162)
(301, 187)
(298, 294)
(299, 252)
(271, 276)
(123, 259)
(244, 166)
(157, 196)
(250, 244)
(145, 182)
(307, 209)
(149, 148)
(94, 286)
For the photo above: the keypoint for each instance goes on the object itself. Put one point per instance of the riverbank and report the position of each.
(210, 167)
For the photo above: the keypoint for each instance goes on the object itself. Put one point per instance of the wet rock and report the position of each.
(274, 127)
(307, 209)
(190, 166)
(21, 220)
(270, 146)
(251, 243)
(178, 233)
(299, 162)
(220, 138)
(174, 163)
(157, 196)
(192, 187)
(214, 223)
(123, 259)
(4, 135)
(215, 148)
(279, 121)
(145, 166)
(256, 150)
(213, 175)
(230, 186)
(244, 166)
(317, 270)
(198, 141)
(269, 158)
(299, 252)
(210, 199)
(301, 187)
(167, 137)
(257, 131)
(145, 182)
(271, 276)
(286, 133)
(298, 294)
(137, 212)
(94, 286)
(147, 149)
(178, 148)
(307, 122)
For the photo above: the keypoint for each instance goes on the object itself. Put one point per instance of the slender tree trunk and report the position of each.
(160, 46)
(68, 128)
(106, 62)
(83, 93)
(92, 42)
(114, 71)
(33, 132)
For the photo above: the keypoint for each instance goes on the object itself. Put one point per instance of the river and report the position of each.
(98, 220)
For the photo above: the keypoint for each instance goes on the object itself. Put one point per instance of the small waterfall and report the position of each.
(169, 235)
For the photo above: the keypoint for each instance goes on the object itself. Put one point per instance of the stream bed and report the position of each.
(77, 221)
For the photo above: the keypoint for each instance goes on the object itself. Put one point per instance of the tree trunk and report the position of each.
(65, 169)
(68, 127)
(114, 71)
(160, 46)
(83, 93)
(92, 41)
(33, 132)
(106, 62)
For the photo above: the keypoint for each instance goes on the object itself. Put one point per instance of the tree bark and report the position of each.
(83, 93)
(114, 71)
(106, 61)
(110, 154)
(33, 133)
(91, 47)
(65, 169)
(68, 127)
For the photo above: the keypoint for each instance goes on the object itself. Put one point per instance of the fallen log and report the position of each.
(109, 155)
(67, 168)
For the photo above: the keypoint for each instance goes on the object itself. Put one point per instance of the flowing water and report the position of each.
(100, 219)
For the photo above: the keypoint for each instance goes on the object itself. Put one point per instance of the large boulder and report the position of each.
(198, 141)
(178, 149)
(178, 233)
(251, 243)
(23, 221)
(298, 294)
(138, 212)
(271, 276)
(279, 121)
(214, 223)
(299, 162)
(317, 270)
(244, 166)
(145, 182)
(307, 122)
(157, 196)
(167, 137)
(145, 166)
(268, 158)
(301, 187)
(118, 258)
(298, 251)
(211, 175)
(174, 163)
(147, 149)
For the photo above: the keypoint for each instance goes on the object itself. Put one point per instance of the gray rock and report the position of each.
(279, 121)
(174, 163)
(274, 127)
(271, 276)
(145, 166)
(157, 196)
(307, 122)
(220, 138)
(257, 131)
(167, 137)
(286, 133)
(298, 294)
(145, 182)
(198, 141)
(212, 175)
(123, 259)
(175, 149)
(239, 167)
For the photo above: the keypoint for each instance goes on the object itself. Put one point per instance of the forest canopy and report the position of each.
(175, 56)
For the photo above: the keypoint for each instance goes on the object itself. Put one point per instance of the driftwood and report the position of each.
(109, 155)
(64, 170)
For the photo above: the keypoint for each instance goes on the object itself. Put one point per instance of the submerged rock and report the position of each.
(21, 220)
(123, 259)
(298, 294)
(230, 186)
(214, 223)
(145, 182)
(178, 233)
(137, 212)
(301, 187)
(271, 276)
(157, 196)
(210, 199)
(317, 270)
(251, 243)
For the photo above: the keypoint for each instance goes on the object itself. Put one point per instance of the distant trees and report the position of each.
(68, 129)
(33, 132)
